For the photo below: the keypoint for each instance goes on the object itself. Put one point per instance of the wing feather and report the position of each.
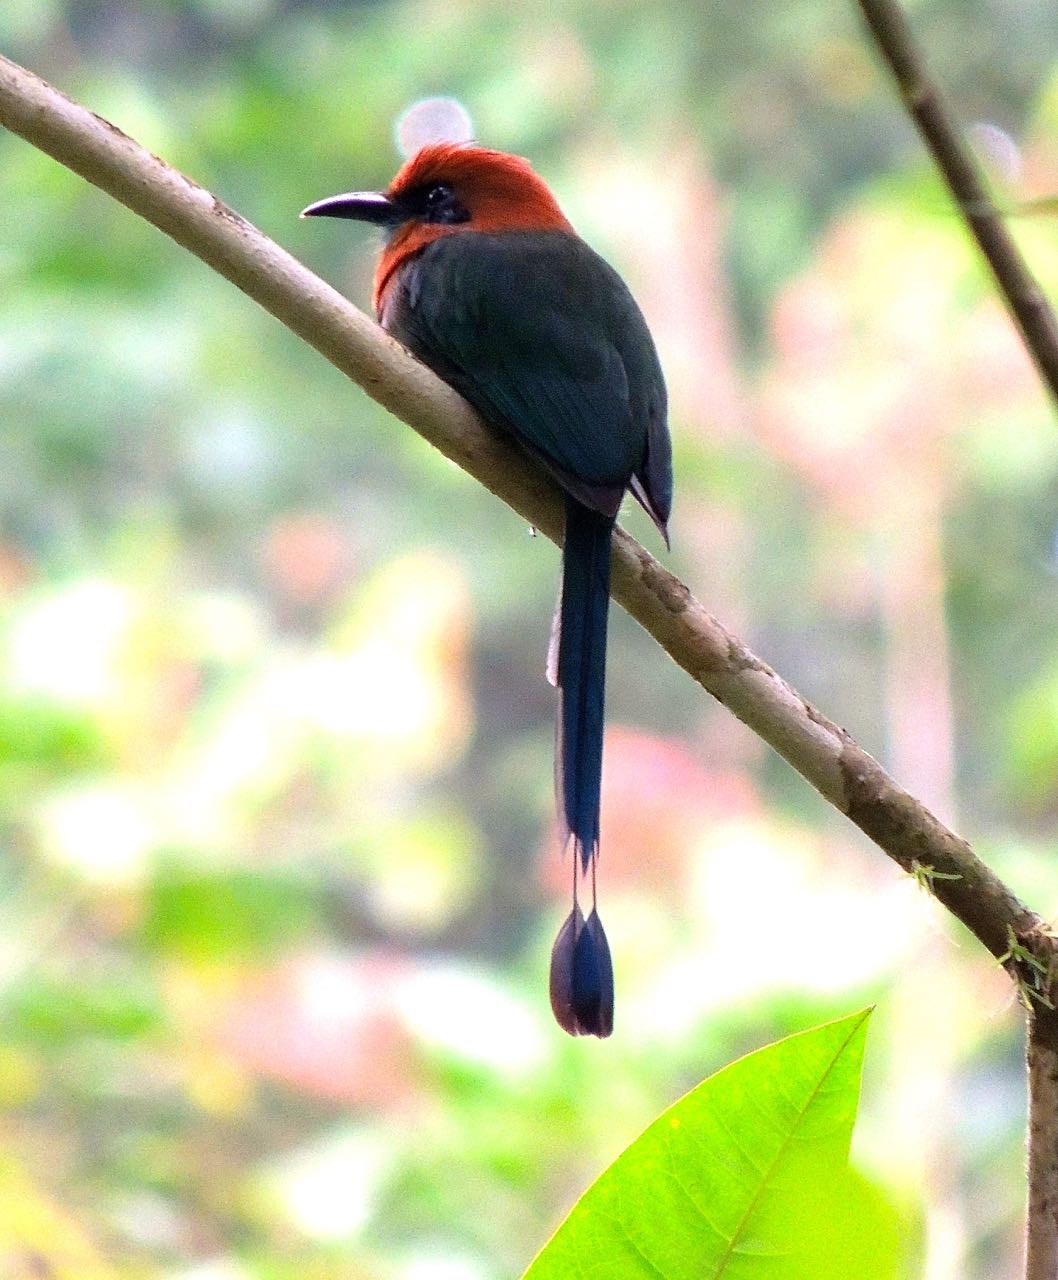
(546, 342)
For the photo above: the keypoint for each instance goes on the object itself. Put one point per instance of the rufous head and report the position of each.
(444, 189)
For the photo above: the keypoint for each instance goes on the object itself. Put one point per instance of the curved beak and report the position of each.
(363, 206)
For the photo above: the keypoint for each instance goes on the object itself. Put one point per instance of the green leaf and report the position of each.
(747, 1176)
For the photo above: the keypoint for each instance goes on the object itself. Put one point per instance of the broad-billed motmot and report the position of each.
(484, 280)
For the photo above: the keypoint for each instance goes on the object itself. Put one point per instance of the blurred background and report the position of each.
(278, 876)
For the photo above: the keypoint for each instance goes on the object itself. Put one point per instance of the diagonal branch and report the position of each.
(823, 753)
(1025, 299)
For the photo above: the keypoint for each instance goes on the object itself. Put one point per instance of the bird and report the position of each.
(483, 278)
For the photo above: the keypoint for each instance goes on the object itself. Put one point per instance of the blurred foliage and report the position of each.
(277, 877)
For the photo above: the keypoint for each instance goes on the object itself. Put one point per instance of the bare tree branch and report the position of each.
(1026, 300)
(1035, 318)
(846, 775)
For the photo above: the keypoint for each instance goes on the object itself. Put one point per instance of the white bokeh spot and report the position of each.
(432, 120)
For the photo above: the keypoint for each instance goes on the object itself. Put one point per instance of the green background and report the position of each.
(278, 875)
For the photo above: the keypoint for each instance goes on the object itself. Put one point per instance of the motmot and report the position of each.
(484, 279)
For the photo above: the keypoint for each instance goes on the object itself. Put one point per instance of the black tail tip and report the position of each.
(582, 977)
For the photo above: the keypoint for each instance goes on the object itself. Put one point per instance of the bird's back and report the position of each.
(544, 338)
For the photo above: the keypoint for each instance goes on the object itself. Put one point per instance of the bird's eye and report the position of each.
(440, 203)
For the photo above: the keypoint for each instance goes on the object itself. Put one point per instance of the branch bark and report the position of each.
(926, 106)
(1041, 1233)
(1035, 318)
(822, 752)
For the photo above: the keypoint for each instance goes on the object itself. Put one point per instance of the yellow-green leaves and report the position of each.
(745, 1177)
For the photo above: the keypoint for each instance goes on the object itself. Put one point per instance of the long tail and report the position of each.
(582, 674)
(581, 974)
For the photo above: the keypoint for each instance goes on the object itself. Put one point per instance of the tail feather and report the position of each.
(582, 673)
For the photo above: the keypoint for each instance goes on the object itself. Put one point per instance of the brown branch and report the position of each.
(1035, 318)
(1025, 299)
(1041, 1234)
(823, 753)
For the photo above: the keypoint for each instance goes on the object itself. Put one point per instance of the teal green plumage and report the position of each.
(544, 339)
(485, 281)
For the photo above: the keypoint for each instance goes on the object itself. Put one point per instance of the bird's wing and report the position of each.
(543, 338)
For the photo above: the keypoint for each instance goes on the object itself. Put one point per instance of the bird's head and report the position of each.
(444, 189)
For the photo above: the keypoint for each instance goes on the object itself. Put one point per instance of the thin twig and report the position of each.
(1026, 300)
(846, 775)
